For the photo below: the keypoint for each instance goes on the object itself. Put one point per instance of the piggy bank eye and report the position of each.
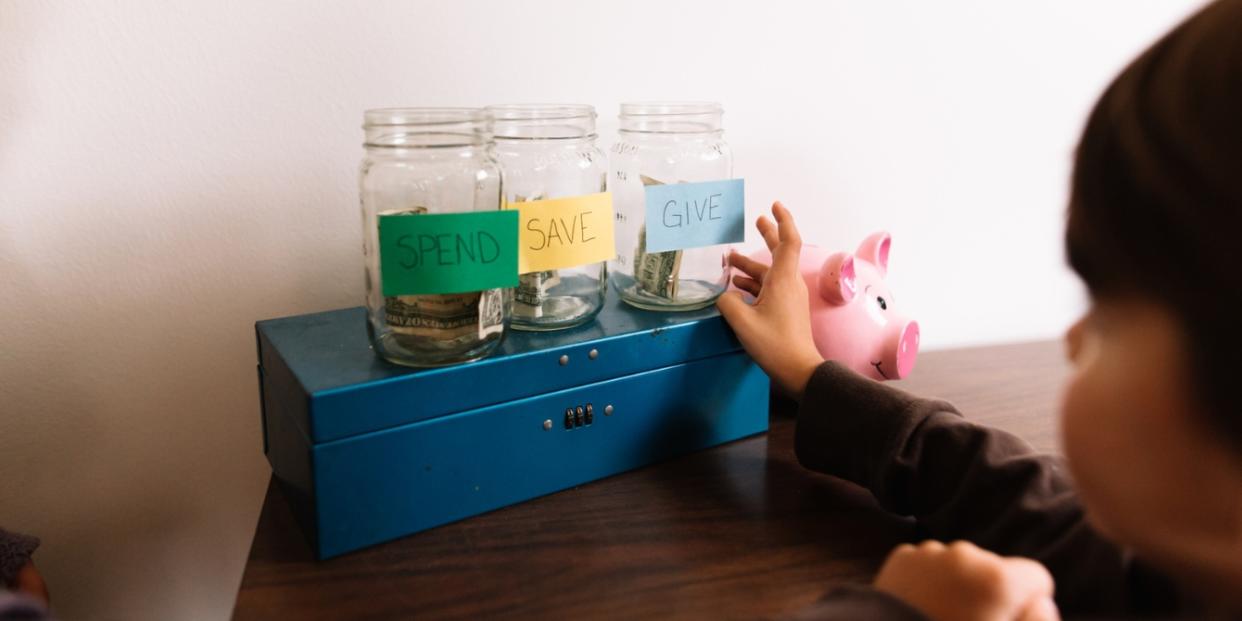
(883, 304)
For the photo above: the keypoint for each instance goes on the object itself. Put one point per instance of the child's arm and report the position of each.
(919, 457)
(961, 480)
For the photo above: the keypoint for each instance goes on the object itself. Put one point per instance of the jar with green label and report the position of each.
(555, 177)
(440, 253)
(678, 207)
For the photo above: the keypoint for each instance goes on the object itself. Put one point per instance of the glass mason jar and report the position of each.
(666, 143)
(548, 151)
(428, 161)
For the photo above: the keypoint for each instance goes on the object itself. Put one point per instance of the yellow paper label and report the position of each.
(557, 233)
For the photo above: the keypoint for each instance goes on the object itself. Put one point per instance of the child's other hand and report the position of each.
(960, 581)
(776, 330)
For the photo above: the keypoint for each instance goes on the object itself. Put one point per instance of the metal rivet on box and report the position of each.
(593, 354)
(608, 410)
(547, 425)
(564, 359)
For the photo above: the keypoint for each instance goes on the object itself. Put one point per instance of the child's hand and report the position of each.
(776, 330)
(963, 582)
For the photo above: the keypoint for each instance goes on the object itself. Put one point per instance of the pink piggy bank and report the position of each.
(853, 317)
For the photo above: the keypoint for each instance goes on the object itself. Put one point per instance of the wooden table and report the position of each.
(739, 531)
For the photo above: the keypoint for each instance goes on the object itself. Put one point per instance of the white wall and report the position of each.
(172, 171)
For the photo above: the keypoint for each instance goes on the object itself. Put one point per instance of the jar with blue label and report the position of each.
(555, 177)
(440, 252)
(678, 207)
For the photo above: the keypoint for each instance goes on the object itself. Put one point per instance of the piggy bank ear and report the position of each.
(874, 250)
(836, 279)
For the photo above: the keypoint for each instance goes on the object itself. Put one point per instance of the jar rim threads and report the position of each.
(671, 117)
(542, 121)
(422, 116)
(422, 127)
(669, 108)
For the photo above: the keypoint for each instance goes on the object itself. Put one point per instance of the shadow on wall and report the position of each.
(129, 439)
(130, 428)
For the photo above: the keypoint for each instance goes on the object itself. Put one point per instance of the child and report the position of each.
(1151, 420)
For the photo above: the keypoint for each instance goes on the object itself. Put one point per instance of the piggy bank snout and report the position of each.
(901, 348)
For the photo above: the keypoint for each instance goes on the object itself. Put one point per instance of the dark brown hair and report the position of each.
(1156, 197)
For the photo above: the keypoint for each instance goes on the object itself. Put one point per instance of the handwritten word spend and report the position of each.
(448, 249)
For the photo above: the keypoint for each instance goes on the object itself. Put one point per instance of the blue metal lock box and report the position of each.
(366, 451)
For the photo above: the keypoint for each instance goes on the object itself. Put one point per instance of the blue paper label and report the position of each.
(693, 215)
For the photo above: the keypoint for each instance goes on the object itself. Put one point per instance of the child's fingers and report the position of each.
(769, 233)
(754, 269)
(749, 285)
(1032, 576)
(734, 309)
(788, 231)
(785, 255)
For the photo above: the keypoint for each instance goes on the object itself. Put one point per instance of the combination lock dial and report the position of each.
(580, 416)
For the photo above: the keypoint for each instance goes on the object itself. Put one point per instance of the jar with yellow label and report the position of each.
(439, 251)
(554, 177)
(677, 208)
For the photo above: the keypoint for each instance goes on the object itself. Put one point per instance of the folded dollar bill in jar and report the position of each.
(533, 288)
(656, 273)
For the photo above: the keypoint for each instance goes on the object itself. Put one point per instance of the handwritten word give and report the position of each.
(687, 213)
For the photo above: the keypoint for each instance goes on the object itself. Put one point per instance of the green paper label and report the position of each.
(424, 254)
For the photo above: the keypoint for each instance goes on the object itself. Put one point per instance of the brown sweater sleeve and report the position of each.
(960, 480)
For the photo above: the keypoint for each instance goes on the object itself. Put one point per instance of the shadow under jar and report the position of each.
(546, 152)
(660, 144)
(420, 163)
